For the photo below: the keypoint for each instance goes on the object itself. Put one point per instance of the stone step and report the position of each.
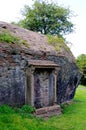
(46, 112)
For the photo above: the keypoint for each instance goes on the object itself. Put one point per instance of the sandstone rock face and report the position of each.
(14, 64)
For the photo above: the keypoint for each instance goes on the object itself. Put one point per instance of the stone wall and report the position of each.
(12, 77)
(12, 86)
(67, 80)
(13, 80)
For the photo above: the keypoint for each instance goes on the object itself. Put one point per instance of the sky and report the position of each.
(10, 10)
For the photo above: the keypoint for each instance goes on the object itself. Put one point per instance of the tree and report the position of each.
(47, 18)
(81, 62)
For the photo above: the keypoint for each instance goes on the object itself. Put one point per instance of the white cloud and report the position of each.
(78, 37)
(10, 9)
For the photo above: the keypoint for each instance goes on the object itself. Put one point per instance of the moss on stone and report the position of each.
(8, 37)
(57, 42)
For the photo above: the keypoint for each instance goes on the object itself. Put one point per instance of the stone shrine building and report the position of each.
(34, 72)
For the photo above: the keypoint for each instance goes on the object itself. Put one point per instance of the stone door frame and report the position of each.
(32, 65)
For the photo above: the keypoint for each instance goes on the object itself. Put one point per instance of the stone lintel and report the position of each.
(42, 63)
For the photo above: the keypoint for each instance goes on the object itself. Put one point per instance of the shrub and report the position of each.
(81, 63)
(6, 109)
(28, 109)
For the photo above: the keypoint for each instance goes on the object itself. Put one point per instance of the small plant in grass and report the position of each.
(27, 109)
(10, 38)
(62, 106)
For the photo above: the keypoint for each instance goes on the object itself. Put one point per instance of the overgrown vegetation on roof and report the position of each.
(57, 42)
(10, 38)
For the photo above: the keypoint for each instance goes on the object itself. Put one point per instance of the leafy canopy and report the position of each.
(81, 62)
(47, 18)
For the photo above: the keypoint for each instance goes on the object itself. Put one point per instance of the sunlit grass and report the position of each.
(73, 117)
(10, 38)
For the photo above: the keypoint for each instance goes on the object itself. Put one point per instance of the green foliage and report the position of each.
(6, 36)
(47, 18)
(81, 62)
(28, 109)
(57, 42)
(10, 38)
(6, 109)
(72, 118)
(55, 39)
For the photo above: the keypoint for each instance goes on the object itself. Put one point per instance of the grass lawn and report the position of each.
(73, 117)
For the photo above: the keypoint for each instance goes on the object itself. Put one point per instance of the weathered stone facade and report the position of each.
(41, 88)
(16, 70)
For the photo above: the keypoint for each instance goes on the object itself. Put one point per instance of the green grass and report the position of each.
(10, 38)
(57, 42)
(73, 117)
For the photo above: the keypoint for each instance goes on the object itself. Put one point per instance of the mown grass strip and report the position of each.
(73, 117)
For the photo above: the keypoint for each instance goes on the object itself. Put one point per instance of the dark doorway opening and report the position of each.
(43, 87)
